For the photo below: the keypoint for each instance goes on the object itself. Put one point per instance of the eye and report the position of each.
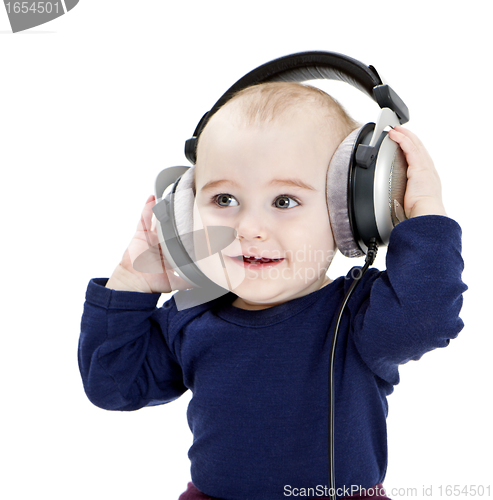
(285, 202)
(225, 200)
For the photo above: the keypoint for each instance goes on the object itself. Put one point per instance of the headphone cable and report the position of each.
(370, 257)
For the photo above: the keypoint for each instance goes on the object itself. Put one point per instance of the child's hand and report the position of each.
(424, 191)
(151, 274)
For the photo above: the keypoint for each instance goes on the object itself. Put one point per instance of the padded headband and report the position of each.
(310, 66)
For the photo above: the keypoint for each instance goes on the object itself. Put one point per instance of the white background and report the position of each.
(94, 104)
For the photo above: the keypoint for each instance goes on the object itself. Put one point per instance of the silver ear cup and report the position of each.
(175, 229)
(365, 202)
(166, 178)
(163, 188)
(183, 210)
(182, 245)
(337, 197)
(389, 188)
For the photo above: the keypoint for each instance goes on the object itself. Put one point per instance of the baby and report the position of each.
(256, 359)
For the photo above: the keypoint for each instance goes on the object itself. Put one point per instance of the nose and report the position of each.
(251, 226)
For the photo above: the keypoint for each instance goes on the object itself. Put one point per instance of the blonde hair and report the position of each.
(272, 101)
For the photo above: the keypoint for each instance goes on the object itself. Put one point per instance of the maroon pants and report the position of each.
(377, 492)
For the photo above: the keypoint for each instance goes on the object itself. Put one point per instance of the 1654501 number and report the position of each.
(33, 7)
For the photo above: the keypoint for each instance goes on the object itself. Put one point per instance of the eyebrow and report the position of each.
(275, 182)
(292, 183)
(215, 184)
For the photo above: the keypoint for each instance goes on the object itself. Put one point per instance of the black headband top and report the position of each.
(303, 66)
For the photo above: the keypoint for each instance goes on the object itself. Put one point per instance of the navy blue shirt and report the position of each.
(259, 411)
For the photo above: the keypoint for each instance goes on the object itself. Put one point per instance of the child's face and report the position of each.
(268, 183)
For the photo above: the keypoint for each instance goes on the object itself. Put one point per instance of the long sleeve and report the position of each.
(414, 305)
(124, 359)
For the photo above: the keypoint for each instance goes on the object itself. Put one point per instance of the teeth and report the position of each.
(252, 257)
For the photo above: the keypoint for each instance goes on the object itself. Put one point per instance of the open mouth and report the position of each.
(256, 260)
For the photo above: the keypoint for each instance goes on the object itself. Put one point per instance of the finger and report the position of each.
(144, 227)
(417, 155)
(148, 261)
(413, 137)
(152, 261)
(146, 215)
(408, 133)
(408, 145)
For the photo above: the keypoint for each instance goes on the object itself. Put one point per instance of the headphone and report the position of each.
(366, 177)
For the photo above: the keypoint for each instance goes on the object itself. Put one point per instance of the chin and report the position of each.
(245, 303)
(264, 295)
(259, 289)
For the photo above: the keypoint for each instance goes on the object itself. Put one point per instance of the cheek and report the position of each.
(209, 215)
(204, 216)
(312, 241)
(212, 266)
(314, 226)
